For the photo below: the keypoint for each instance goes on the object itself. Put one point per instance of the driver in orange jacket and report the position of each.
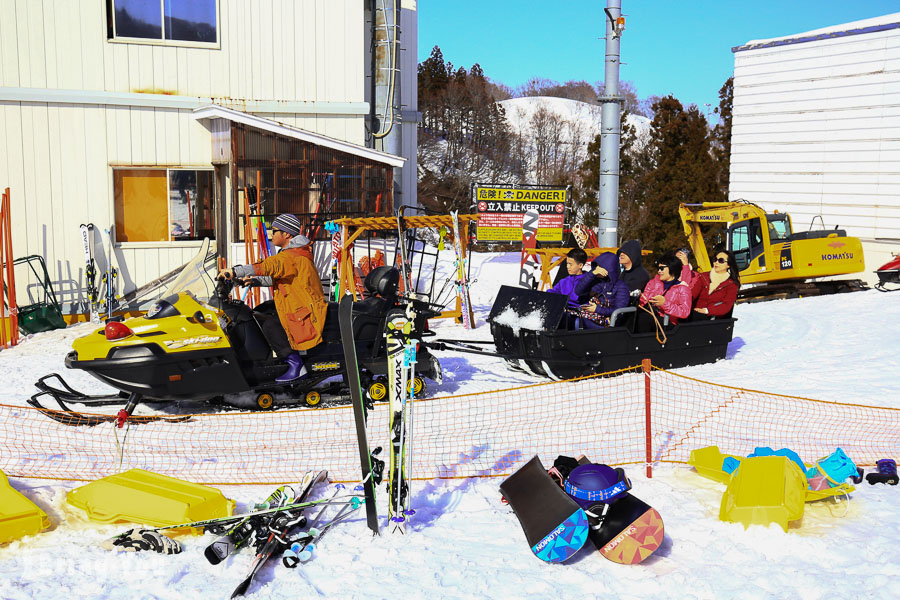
(298, 295)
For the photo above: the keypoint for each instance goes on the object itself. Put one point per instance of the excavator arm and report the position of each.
(695, 215)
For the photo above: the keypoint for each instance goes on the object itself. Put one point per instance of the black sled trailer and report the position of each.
(530, 331)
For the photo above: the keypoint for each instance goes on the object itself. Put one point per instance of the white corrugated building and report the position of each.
(109, 110)
(816, 130)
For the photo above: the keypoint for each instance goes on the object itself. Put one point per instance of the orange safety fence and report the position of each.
(475, 435)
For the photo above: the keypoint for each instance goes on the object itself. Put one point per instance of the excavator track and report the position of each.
(800, 289)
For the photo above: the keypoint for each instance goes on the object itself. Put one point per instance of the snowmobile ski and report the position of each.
(555, 526)
(345, 317)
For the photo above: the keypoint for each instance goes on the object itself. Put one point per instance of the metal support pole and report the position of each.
(648, 431)
(610, 131)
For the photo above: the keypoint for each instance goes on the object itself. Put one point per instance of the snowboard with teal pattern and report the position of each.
(555, 526)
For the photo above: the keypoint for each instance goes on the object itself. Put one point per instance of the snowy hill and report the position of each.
(465, 543)
(556, 132)
(584, 117)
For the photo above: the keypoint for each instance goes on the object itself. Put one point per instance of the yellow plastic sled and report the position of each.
(764, 490)
(19, 516)
(150, 499)
(708, 463)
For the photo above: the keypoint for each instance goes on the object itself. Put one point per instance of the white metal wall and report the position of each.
(83, 114)
(817, 131)
(269, 49)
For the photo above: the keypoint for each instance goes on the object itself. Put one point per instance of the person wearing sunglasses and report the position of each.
(297, 291)
(666, 292)
(715, 292)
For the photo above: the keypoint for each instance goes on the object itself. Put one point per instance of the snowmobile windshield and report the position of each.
(194, 277)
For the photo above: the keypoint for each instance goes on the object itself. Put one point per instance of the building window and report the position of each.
(164, 21)
(163, 205)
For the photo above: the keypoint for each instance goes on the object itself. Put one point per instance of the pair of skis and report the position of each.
(278, 530)
(98, 302)
(401, 374)
(401, 357)
(462, 277)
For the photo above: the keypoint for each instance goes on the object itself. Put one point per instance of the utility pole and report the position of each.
(610, 131)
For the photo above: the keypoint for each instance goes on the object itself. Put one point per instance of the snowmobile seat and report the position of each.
(383, 282)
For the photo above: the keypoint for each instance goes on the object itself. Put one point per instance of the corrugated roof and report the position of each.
(216, 111)
(873, 25)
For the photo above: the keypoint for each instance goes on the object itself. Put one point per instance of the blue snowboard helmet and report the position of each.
(592, 484)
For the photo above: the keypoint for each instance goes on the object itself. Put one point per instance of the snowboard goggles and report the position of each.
(604, 495)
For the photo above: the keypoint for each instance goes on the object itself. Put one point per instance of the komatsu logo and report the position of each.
(841, 256)
(550, 537)
(709, 218)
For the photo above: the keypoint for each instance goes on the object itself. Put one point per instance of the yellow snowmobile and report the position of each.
(185, 348)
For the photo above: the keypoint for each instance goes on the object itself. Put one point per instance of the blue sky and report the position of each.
(668, 47)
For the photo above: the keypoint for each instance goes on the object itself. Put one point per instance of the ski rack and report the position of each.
(357, 226)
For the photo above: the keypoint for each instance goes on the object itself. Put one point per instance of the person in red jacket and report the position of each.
(666, 292)
(715, 292)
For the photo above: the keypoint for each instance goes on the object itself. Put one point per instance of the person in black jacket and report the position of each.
(633, 274)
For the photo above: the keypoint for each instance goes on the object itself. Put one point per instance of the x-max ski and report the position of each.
(401, 348)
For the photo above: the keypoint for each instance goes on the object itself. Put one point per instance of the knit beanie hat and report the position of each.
(287, 223)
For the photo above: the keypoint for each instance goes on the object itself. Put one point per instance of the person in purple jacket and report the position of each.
(575, 260)
(604, 290)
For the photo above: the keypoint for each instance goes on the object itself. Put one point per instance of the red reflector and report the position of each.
(174, 377)
(116, 330)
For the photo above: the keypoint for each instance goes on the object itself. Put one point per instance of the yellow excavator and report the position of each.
(769, 251)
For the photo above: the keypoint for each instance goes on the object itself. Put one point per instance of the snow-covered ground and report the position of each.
(464, 543)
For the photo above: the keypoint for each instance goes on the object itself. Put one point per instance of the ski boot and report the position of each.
(887, 472)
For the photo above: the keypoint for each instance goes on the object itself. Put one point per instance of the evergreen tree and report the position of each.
(463, 137)
(722, 136)
(682, 169)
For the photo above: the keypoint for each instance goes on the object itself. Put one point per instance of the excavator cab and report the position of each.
(746, 240)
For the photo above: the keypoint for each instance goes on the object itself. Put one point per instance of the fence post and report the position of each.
(645, 366)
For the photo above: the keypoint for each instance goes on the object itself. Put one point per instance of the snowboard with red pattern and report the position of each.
(631, 531)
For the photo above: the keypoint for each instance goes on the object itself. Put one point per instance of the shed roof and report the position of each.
(216, 111)
(873, 25)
